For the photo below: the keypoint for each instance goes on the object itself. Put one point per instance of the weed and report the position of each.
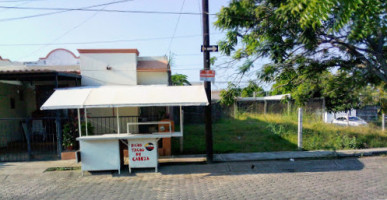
(51, 169)
(277, 129)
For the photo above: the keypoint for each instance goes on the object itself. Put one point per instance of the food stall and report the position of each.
(102, 152)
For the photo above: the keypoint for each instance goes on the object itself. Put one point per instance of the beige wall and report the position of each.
(94, 72)
(152, 78)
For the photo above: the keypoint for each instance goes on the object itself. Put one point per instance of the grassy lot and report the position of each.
(278, 132)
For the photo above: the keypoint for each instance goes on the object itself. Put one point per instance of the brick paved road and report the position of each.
(364, 178)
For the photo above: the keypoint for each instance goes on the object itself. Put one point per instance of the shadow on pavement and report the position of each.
(256, 167)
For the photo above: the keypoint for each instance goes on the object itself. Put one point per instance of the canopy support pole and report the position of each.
(79, 123)
(87, 133)
(118, 121)
(181, 130)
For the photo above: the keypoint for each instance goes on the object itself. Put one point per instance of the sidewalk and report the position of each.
(281, 155)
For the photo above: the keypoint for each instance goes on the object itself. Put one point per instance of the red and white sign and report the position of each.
(207, 75)
(143, 153)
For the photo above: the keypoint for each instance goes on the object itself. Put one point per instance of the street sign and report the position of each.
(207, 75)
(211, 48)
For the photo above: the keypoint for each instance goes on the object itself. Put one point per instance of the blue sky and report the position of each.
(149, 33)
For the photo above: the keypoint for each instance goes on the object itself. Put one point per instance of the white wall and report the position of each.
(328, 117)
(152, 78)
(59, 57)
(94, 72)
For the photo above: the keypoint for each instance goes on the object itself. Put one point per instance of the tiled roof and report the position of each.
(39, 69)
(152, 65)
(109, 51)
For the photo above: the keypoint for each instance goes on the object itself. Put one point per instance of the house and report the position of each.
(26, 131)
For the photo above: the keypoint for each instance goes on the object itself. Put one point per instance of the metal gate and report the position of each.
(23, 139)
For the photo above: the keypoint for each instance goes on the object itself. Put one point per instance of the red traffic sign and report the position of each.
(207, 75)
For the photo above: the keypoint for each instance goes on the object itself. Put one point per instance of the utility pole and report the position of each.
(207, 84)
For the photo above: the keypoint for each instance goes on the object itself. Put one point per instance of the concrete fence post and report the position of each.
(299, 128)
(383, 122)
(323, 109)
(235, 108)
(288, 107)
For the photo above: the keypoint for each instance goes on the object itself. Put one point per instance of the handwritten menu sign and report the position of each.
(142, 153)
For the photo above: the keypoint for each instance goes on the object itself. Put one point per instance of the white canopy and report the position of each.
(126, 96)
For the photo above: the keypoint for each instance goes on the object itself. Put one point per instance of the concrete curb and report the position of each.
(281, 155)
(284, 155)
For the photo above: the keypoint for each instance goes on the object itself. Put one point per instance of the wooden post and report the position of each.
(299, 128)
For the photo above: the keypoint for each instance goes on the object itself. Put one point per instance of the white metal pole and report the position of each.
(79, 123)
(383, 122)
(181, 129)
(299, 128)
(118, 122)
(87, 133)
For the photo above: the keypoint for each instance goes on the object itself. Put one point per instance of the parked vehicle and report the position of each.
(353, 121)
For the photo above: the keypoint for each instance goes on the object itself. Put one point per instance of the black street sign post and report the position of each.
(211, 48)
(207, 84)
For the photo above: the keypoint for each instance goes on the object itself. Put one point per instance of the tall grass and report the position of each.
(249, 132)
(319, 135)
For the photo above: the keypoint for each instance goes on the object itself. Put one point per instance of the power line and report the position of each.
(93, 10)
(177, 24)
(191, 54)
(13, 1)
(68, 31)
(57, 12)
(19, 4)
(186, 68)
(105, 41)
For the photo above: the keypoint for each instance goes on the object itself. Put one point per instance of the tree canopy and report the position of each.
(227, 96)
(317, 48)
(180, 79)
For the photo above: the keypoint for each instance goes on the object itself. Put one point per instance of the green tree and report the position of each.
(251, 88)
(227, 96)
(180, 79)
(306, 42)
